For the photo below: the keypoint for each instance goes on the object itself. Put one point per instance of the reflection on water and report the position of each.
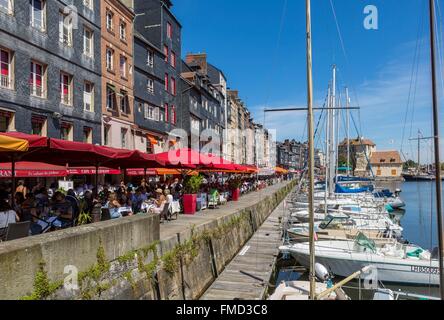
(420, 228)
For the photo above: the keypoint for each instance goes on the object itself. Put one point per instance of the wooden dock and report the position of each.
(248, 275)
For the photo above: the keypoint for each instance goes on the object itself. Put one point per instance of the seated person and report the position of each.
(114, 206)
(159, 202)
(7, 216)
(62, 209)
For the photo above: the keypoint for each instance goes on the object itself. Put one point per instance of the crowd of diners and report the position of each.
(49, 208)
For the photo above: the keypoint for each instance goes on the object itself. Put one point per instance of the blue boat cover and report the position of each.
(342, 189)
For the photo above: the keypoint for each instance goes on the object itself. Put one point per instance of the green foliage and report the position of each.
(235, 182)
(409, 164)
(84, 218)
(43, 288)
(192, 184)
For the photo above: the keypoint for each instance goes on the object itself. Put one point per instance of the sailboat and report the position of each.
(394, 262)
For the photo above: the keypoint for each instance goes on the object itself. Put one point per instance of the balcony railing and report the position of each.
(37, 91)
(5, 81)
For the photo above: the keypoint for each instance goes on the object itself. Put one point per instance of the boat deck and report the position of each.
(248, 275)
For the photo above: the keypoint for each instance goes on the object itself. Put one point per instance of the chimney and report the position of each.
(233, 93)
(199, 59)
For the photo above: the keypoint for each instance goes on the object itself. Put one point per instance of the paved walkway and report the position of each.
(247, 276)
(170, 229)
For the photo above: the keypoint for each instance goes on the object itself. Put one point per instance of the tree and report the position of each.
(409, 164)
(442, 166)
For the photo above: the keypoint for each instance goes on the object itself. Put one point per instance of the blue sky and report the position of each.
(260, 46)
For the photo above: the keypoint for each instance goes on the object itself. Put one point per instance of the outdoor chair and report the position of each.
(17, 230)
(3, 233)
(223, 199)
(172, 212)
(165, 214)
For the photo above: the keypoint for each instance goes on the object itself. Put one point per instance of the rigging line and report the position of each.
(345, 55)
(420, 27)
(339, 30)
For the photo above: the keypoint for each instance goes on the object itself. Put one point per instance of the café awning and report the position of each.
(32, 170)
(10, 144)
(92, 171)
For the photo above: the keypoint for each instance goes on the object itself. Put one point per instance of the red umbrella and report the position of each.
(181, 158)
(33, 140)
(127, 159)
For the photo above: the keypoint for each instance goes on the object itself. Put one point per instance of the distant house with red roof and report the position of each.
(386, 164)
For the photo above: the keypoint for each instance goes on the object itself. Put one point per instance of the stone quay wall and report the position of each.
(126, 259)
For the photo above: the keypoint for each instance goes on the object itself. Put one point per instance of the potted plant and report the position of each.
(191, 188)
(235, 184)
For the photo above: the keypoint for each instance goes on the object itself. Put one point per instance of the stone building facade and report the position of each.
(51, 69)
(158, 49)
(117, 75)
(202, 106)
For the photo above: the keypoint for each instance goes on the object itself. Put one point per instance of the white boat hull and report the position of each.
(391, 270)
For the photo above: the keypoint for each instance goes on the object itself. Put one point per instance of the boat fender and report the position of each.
(322, 272)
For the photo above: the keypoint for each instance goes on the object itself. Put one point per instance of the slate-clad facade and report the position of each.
(45, 66)
(157, 47)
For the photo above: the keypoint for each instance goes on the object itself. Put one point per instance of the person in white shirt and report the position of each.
(7, 215)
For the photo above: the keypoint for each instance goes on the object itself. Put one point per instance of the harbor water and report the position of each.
(420, 227)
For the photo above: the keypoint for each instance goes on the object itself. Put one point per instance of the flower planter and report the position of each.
(235, 194)
(189, 204)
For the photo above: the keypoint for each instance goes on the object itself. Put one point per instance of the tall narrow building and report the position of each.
(157, 40)
(117, 79)
(50, 78)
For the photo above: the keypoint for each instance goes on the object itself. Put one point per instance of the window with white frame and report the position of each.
(37, 14)
(109, 21)
(122, 30)
(88, 96)
(149, 112)
(66, 88)
(124, 102)
(173, 86)
(6, 6)
(109, 59)
(150, 59)
(37, 80)
(156, 113)
(173, 115)
(89, 4)
(123, 66)
(150, 86)
(5, 69)
(65, 29)
(173, 59)
(111, 99)
(169, 30)
(88, 42)
(123, 139)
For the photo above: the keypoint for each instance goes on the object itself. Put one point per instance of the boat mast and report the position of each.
(311, 151)
(348, 130)
(418, 169)
(437, 148)
(331, 146)
(327, 150)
